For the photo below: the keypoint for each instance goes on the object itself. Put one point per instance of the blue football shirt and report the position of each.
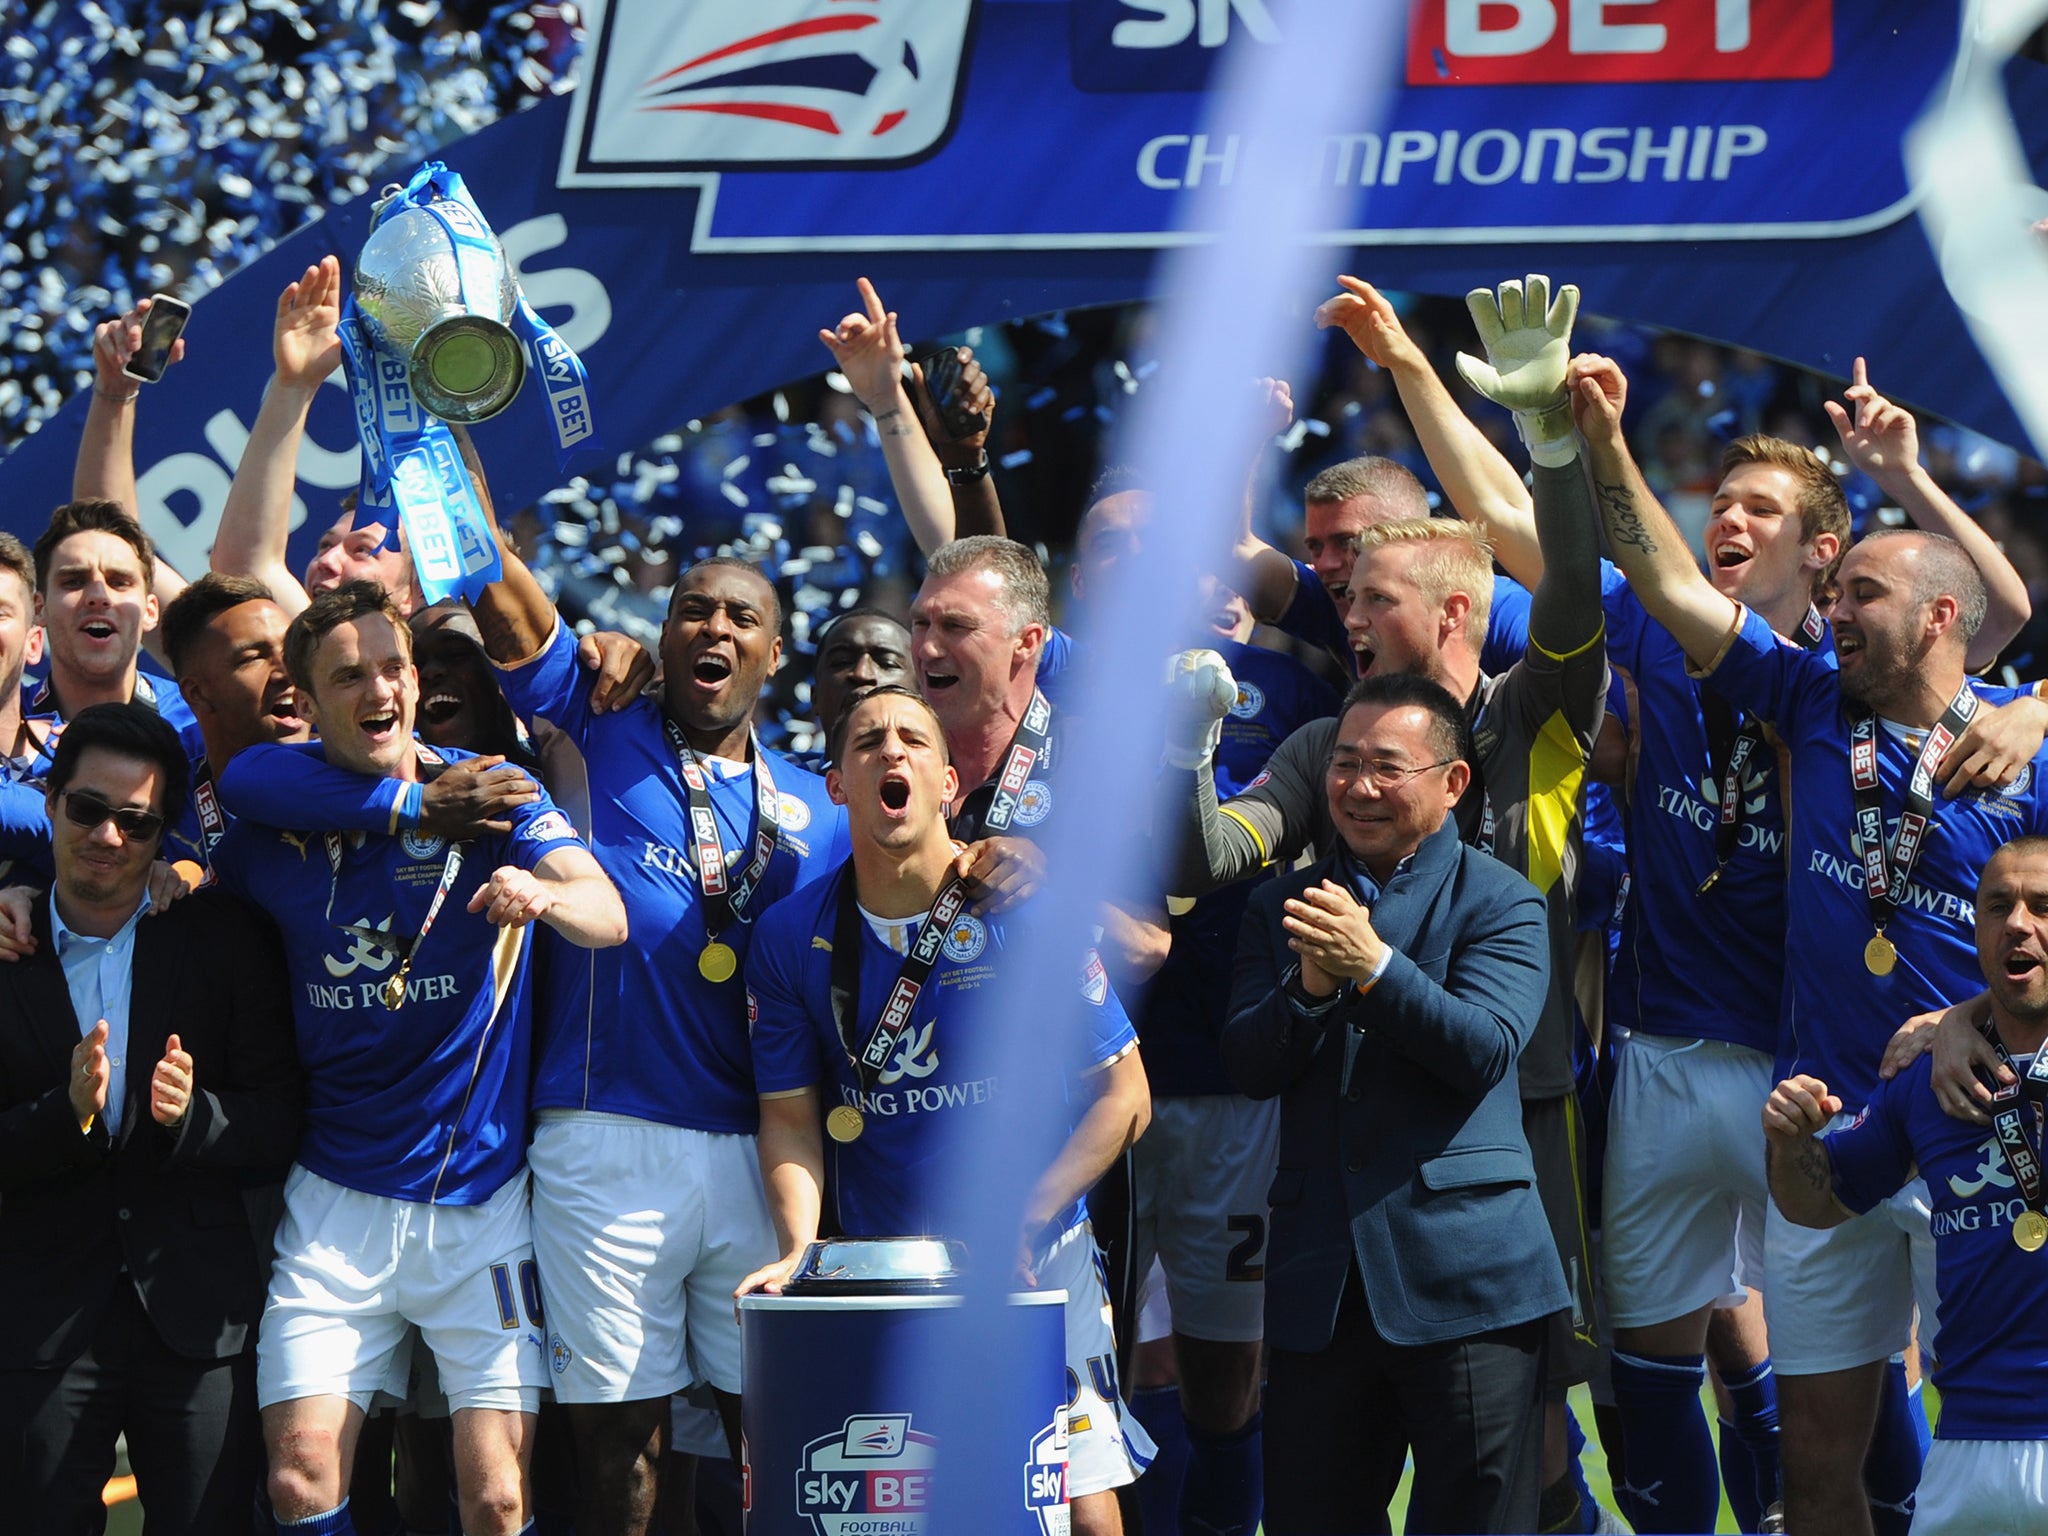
(885, 1181)
(1837, 1016)
(1710, 965)
(638, 1030)
(1993, 1296)
(426, 1102)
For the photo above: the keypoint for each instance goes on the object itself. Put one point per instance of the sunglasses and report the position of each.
(85, 809)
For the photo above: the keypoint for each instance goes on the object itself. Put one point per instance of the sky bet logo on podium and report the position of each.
(873, 1478)
(679, 86)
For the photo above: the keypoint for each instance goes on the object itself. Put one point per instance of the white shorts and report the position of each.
(1684, 1196)
(1970, 1487)
(353, 1270)
(1106, 1448)
(643, 1232)
(1844, 1297)
(1199, 1179)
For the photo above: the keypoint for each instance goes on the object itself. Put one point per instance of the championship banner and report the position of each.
(1728, 168)
(1023, 124)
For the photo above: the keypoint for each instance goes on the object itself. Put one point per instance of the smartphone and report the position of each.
(942, 379)
(161, 328)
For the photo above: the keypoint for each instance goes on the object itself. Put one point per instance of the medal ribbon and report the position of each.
(1030, 746)
(725, 902)
(2009, 1102)
(213, 821)
(1731, 742)
(393, 990)
(869, 1057)
(1887, 867)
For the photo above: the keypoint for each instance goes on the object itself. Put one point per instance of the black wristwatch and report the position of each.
(978, 470)
(1305, 1002)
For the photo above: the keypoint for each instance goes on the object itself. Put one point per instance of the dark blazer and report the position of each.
(75, 1208)
(1420, 1172)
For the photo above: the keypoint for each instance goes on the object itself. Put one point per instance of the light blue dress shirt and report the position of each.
(100, 974)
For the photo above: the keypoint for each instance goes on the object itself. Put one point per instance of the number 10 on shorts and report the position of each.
(529, 1293)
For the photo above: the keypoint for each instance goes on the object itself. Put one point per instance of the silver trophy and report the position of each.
(445, 307)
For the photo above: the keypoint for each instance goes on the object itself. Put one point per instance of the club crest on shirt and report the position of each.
(966, 939)
(1034, 804)
(794, 814)
(1250, 700)
(419, 843)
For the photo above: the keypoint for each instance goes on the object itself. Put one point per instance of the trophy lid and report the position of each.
(878, 1266)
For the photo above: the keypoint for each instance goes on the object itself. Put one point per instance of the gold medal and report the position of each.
(718, 962)
(393, 992)
(2030, 1231)
(845, 1123)
(1880, 955)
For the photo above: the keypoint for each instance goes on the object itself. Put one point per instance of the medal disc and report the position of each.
(394, 992)
(1880, 955)
(718, 962)
(2030, 1230)
(845, 1123)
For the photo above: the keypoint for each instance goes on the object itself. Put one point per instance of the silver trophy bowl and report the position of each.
(462, 359)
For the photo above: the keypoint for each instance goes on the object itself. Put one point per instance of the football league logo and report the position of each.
(680, 85)
(874, 1474)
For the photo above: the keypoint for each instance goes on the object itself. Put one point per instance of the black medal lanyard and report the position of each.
(869, 1057)
(1731, 743)
(1030, 745)
(725, 901)
(1887, 867)
(2010, 1106)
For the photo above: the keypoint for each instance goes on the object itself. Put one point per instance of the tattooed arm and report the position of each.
(1801, 1173)
(1644, 541)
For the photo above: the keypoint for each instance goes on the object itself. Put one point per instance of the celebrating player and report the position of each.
(897, 912)
(1877, 910)
(408, 959)
(1988, 1196)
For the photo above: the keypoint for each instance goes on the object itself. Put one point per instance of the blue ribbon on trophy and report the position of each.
(435, 330)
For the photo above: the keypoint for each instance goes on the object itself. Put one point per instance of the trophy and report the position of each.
(434, 287)
(434, 331)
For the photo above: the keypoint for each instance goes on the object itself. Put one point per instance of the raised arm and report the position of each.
(869, 352)
(1883, 440)
(255, 525)
(1254, 569)
(105, 467)
(1527, 335)
(1802, 1175)
(1640, 534)
(1482, 486)
(976, 507)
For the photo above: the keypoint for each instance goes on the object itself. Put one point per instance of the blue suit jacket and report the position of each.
(1420, 1171)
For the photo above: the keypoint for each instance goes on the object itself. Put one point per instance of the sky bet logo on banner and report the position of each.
(680, 85)
(1570, 42)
